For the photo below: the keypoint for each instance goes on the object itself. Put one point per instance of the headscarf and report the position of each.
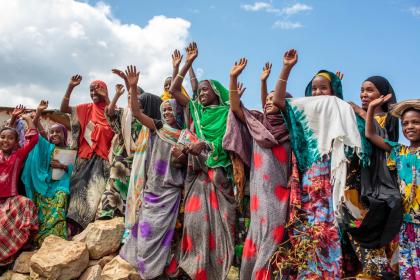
(99, 83)
(151, 104)
(166, 95)
(176, 111)
(335, 83)
(210, 124)
(384, 87)
(399, 109)
(64, 129)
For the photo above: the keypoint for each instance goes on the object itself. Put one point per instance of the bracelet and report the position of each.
(193, 78)
(180, 76)
(65, 97)
(233, 90)
(283, 80)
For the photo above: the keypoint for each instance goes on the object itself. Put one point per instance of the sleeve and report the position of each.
(31, 137)
(393, 155)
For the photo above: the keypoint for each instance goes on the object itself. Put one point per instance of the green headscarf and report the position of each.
(210, 124)
(334, 81)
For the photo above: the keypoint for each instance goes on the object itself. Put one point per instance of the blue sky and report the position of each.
(360, 38)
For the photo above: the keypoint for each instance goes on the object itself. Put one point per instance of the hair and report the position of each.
(12, 129)
(408, 110)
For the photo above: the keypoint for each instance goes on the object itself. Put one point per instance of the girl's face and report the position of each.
(56, 135)
(368, 93)
(410, 121)
(8, 141)
(167, 84)
(321, 86)
(168, 114)
(270, 108)
(206, 94)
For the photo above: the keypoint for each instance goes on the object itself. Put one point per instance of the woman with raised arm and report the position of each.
(49, 194)
(93, 135)
(18, 219)
(208, 239)
(322, 131)
(269, 162)
(148, 246)
(406, 160)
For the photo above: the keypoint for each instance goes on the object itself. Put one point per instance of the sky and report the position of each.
(44, 42)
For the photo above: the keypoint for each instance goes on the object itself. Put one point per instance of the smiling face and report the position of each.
(8, 141)
(321, 86)
(368, 93)
(167, 84)
(206, 95)
(96, 97)
(410, 121)
(57, 135)
(168, 114)
(270, 108)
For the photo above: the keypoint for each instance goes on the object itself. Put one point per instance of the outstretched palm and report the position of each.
(192, 52)
(132, 75)
(75, 80)
(266, 71)
(119, 73)
(43, 105)
(119, 89)
(290, 58)
(176, 58)
(381, 100)
(238, 67)
(18, 111)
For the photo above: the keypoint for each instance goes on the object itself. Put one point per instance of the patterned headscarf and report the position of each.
(63, 128)
(99, 83)
(176, 111)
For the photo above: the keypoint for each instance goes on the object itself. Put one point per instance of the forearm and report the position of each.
(193, 80)
(264, 92)
(12, 122)
(175, 71)
(111, 107)
(65, 108)
(176, 86)
(279, 98)
(235, 103)
(137, 113)
(370, 133)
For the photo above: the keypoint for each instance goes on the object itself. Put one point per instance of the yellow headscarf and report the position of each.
(166, 95)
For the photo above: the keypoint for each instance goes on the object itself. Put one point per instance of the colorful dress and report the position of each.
(18, 216)
(50, 196)
(407, 162)
(149, 245)
(92, 133)
(126, 129)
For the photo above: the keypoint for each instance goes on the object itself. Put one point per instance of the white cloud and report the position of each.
(284, 24)
(260, 6)
(39, 51)
(415, 11)
(295, 9)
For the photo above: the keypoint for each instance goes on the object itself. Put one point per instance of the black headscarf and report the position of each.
(384, 87)
(151, 104)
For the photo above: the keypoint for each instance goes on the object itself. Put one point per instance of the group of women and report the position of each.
(326, 188)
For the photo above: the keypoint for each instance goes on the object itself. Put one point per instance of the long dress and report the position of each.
(49, 196)
(92, 133)
(148, 247)
(18, 216)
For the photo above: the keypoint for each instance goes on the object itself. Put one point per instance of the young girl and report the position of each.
(49, 195)
(406, 159)
(17, 213)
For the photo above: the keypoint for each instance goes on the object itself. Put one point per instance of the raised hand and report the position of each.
(119, 89)
(340, 75)
(18, 111)
(358, 110)
(119, 73)
(290, 58)
(238, 67)
(75, 81)
(176, 58)
(132, 76)
(381, 100)
(43, 105)
(241, 89)
(191, 52)
(266, 71)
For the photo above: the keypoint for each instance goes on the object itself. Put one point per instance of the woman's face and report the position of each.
(168, 114)
(8, 141)
(321, 86)
(410, 121)
(206, 95)
(56, 135)
(270, 108)
(368, 93)
(96, 97)
(167, 84)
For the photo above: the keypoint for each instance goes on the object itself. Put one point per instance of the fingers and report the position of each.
(387, 97)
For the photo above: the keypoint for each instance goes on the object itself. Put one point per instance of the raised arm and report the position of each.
(176, 86)
(17, 112)
(43, 105)
(122, 75)
(377, 140)
(176, 61)
(235, 103)
(264, 76)
(193, 80)
(290, 58)
(74, 82)
(133, 78)
(119, 91)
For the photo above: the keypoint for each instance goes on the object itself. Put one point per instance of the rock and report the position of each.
(22, 262)
(92, 273)
(119, 269)
(59, 259)
(103, 237)
(10, 275)
(102, 262)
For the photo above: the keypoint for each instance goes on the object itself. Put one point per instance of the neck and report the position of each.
(7, 153)
(378, 110)
(415, 144)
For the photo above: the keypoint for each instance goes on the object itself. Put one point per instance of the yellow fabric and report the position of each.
(324, 75)
(381, 119)
(166, 95)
